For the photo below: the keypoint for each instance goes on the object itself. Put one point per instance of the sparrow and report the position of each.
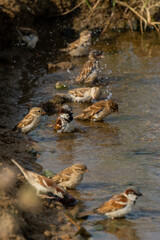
(60, 65)
(118, 206)
(85, 94)
(70, 177)
(29, 122)
(43, 184)
(64, 123)
(81, 46)
(89, 72)
(27, 36)
(98, 111)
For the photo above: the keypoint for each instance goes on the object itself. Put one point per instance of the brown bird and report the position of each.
(79, 47)
(43, 184)
(85, 94)
(89, 72)
(98, 111)
(118, 206)
(30, 121)
(70, 177)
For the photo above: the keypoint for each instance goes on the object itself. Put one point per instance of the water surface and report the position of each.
(122, 150)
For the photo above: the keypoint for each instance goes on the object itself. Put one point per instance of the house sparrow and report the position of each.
(70, 177)
(64, 123)
(60, 65)
(42, 183)
(29, 122)
(90, 69)
(98, 111)
(118, 206)
(82, 94)
(79, 47)
(27, 36)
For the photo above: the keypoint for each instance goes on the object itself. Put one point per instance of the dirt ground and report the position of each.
(22, 214)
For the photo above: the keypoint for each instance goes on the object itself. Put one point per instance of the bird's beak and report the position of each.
(43, 113)
(139, 194)
(86, 170)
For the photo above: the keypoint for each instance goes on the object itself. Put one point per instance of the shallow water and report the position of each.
(121, 150)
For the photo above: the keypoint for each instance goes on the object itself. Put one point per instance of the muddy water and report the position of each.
(121, 150)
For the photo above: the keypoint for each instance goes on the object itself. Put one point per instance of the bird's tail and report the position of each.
(64, 49)
(21, 168)
(64, 96)
(79, 117)
(84, 215)
(19, 32)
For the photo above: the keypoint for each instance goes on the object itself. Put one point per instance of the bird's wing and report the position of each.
(63, 175)
(58, 124)
(79, 92)
(26, 121)
(93, 109)
(86, 70)
(117, 202)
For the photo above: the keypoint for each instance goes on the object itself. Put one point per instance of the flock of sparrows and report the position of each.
(120, 204)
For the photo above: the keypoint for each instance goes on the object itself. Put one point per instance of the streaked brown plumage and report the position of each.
(79, 47)
(43, 184)
(85, 94)
(70, 177)
(98, 110)
(30, 121)
(89, 72)
(118, 206)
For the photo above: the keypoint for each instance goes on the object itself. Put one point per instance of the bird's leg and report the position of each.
(45, 196)
(32, 140)
(25, 137)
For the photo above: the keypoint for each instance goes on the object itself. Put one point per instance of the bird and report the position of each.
(118, 206)
(98, 110)
(27, 36)
(85, 94)
(80, 47)
(29, 122)
(89, 72)
(60, 65)
(65, 123)
(43, 184)
(70, 177)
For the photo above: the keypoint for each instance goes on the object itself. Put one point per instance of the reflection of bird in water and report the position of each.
(123, 230)
(79, 47)
(118, 206)
(27, 36)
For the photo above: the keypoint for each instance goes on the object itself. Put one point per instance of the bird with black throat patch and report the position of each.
(44, 185)
(118, 206)
(65, 122)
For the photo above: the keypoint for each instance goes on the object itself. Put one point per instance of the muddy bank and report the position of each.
(99, 16)
(24, 216)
